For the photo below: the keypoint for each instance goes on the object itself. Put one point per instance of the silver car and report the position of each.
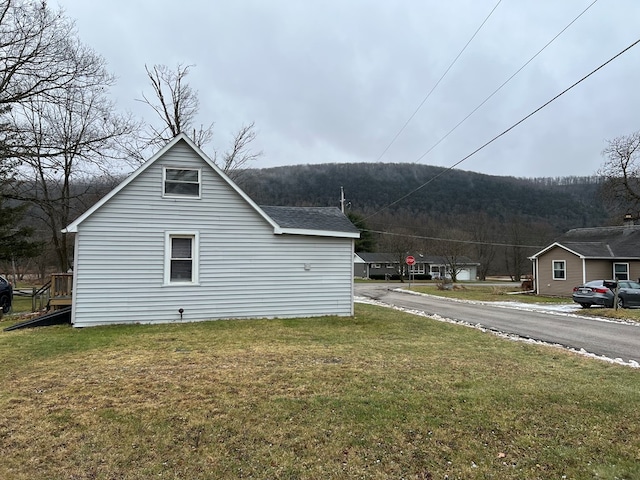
(602, 292)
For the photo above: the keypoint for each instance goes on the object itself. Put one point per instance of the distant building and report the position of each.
(585, 254)
(388, 266)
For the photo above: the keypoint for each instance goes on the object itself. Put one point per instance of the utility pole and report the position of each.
(342, 199)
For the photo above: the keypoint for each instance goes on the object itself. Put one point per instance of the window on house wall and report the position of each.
(181, 258)
(417, 269)
(621, 271)
(375, 265)
(181, 182)
(559, 270)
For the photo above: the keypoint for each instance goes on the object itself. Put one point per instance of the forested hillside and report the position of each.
(563, 203)
(497, 221)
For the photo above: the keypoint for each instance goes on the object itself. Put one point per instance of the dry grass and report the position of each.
(488, 293)
(381, 395)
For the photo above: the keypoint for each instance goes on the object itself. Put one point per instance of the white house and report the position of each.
(178, 241)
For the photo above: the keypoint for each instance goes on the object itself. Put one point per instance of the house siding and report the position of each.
(598, 269)
(634, 270)
(547, 285)
(245, 270)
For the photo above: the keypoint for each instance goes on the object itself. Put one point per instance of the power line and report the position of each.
(437, 83)
(505, 82)
(471, 242)
(547, 103)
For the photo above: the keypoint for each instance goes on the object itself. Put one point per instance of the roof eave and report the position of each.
(315, 233)
(555, 244)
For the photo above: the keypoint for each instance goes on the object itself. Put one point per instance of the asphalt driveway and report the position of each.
(562, 326)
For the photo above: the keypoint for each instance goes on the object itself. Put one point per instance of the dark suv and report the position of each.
(6, 295)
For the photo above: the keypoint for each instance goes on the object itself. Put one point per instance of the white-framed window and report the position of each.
(417, 269)
(181, 258)
(389, 265)
(621, 271)
(181, 182)
(559, 269)
(436, 271)
(375, 265)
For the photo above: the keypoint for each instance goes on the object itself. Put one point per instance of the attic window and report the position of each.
(181, 182)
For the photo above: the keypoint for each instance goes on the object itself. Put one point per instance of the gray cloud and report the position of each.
(334, 81)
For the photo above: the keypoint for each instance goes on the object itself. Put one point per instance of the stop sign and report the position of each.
(410, 260)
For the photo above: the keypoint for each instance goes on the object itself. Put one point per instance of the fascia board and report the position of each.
(315, 233)
(553, 245)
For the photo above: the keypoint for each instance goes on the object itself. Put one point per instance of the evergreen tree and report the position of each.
(366, 242)
(15, 240)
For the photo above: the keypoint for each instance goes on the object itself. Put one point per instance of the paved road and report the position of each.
(613, 340)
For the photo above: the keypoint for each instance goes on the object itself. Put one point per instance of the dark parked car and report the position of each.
(6, 295)
(601, 292)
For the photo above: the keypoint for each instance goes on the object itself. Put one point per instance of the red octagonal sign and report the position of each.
(410, 260)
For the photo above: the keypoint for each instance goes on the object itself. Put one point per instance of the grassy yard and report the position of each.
(382, 395)
(488, 293)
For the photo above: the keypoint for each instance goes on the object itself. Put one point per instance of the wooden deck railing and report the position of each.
(61, 290)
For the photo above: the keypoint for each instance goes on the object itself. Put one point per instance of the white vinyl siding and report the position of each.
(559, 269)
(244, 269)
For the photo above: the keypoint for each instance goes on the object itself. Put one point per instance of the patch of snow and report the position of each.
(567, 309)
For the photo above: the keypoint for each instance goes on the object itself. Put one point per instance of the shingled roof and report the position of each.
(311, 218)
(603, 242)
(381, 257)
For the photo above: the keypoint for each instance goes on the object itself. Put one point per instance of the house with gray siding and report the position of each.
(380, 265)
(178, 241)
(585, 254)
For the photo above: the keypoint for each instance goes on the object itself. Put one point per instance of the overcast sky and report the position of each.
(335, 80)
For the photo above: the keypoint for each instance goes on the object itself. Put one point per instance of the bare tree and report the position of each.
(40, 55)
(235, 160)
(452, 251)
(621, 172)
(176, 106)
(68, 135)
(399, 244)
(481, 230)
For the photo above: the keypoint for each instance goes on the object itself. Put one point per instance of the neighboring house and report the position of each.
(387, 265)
(585, 254)
(359, 266)
(179, 241)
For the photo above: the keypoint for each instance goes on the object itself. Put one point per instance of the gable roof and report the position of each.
(306, 221)
(381, 257)
(600, 242)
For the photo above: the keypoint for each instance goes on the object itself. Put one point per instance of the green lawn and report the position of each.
(382, 395)
(488, 293)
